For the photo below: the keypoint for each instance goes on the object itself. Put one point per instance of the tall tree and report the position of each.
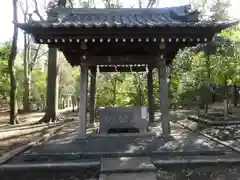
(30, 52)
(218, 8)
(52, 79)
(26, 55)
(13, 90)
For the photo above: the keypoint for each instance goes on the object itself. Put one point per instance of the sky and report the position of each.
(6, 14)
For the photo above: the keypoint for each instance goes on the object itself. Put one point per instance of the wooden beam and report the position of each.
(122, 69)
(117, 60)
(92, 95)
(136, 32)
(149, 43)
(150, 94)
(163, 97)
(83, 100)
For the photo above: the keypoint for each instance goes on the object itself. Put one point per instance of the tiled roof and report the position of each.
(181, 16)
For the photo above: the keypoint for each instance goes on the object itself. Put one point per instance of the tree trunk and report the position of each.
(13, 90)
(52, 89)
(52, 83)
(235, 95)
(26, 102)
(209, 77)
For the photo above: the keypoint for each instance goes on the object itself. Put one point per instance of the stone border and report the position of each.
(49, 166)
(123, 135)
(211, 138)
(212, 122)
(129, 170)
(89, 155)
(196, 161)
(9, 155)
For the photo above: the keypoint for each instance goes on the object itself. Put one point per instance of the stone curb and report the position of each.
(89, 155)
(196, 161)
(7, 156)
(123, 135)
(129, 170)
(211, 122)
(48, 166)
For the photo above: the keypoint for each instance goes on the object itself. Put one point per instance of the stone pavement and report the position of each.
(66, 145)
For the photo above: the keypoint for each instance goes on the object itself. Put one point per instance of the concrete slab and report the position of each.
(129, 176)
(126, 164)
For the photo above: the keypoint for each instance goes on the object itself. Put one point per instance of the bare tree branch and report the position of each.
(21, 7)
(151, 3)
(36, 11)
(41, 55)
(71, 3)
(140, 3)
(62, 3)
(107, 3)
(34, 58)
(157, 3)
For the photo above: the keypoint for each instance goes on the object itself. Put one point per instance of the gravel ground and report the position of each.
(213, 172)
(216, 172)
(217, 132)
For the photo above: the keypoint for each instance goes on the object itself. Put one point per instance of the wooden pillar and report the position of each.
(92, 95)
(163, 97)
(150, 94)
(226, 108)
(83, 100)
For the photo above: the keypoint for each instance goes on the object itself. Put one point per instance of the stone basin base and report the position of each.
(123, 120)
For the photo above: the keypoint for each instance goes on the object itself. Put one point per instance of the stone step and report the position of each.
(127, 168)
(127, 164)
(129, 176)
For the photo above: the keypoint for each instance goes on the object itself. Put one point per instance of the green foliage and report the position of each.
(193, 72)
(5, 49)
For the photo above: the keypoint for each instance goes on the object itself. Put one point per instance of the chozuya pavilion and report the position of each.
(123, 40)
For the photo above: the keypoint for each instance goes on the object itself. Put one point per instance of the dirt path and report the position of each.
(25, 118)
(8, 143)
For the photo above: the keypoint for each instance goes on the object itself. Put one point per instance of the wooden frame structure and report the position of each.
(123, 40)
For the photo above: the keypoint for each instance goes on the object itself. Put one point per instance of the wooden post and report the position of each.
(68, 102)
(92, 95)
(225, 109)
(150, 94)
(83, 100)
(198, 107)
(163, 97)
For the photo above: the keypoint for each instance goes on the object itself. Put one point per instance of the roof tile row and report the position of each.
(124, 17)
